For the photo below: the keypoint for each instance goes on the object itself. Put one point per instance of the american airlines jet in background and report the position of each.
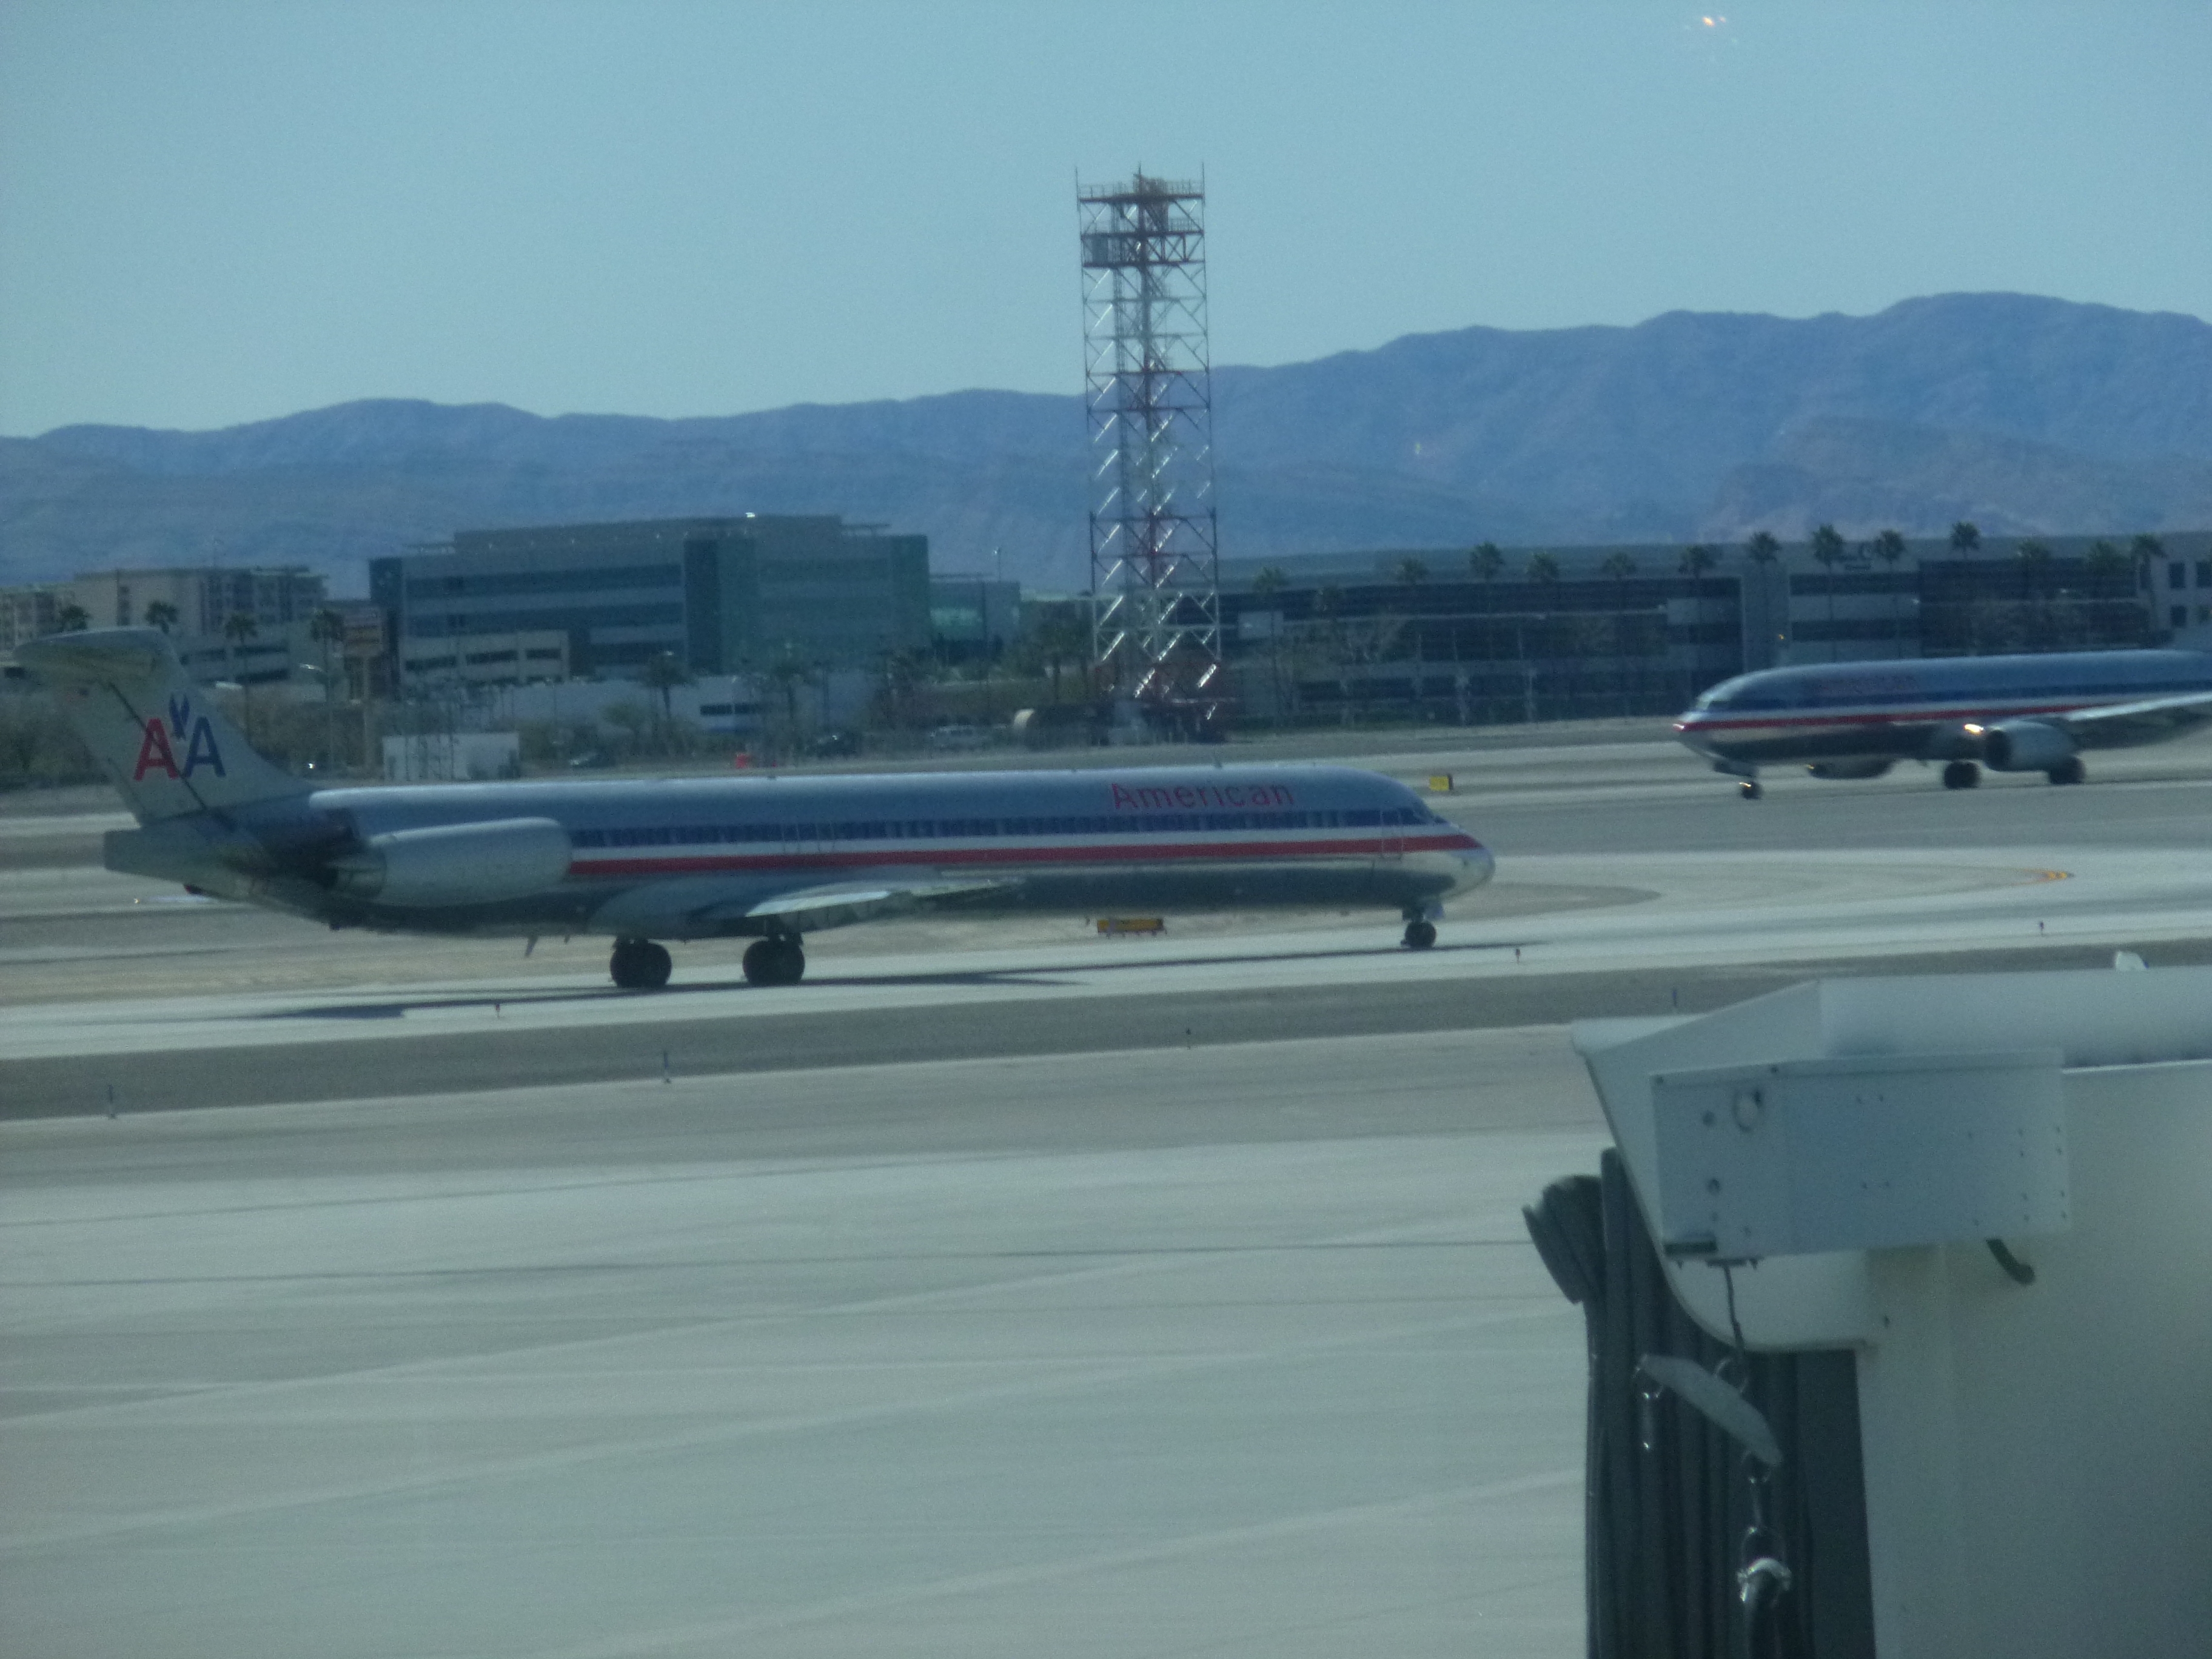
(2029, 714)
(710, 858)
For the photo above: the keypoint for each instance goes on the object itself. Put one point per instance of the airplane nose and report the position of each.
(1475, 865)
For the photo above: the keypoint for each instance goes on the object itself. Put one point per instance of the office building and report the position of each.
(723, 595)
(200, 600)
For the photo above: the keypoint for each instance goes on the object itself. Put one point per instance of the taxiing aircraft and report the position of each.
(765, 857)
(2024, 713)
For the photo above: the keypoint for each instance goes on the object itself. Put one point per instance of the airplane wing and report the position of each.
(2118, 724)
(837, 904)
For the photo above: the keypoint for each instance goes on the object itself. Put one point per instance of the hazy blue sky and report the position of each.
(219, 212)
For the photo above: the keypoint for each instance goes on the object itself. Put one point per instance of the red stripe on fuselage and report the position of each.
(874, 856)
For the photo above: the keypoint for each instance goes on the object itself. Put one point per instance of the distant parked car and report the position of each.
(957, 740)
(832, 745)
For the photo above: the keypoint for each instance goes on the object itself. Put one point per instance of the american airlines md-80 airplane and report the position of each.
(711, 858)
(2025, 713)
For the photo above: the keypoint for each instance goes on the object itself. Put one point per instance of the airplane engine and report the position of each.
(456, 864)
(2025, 746)
(1850, 769)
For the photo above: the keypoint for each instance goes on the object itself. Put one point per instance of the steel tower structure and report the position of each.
(1155, 573)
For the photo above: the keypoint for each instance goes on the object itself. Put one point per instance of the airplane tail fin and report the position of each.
(161, 738)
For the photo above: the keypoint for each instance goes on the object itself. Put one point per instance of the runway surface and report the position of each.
(999, 1289)
(1240, 1351)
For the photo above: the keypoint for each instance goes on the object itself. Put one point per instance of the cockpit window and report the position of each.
(1720, 697)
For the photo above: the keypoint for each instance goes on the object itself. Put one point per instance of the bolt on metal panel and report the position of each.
(1861, 1153)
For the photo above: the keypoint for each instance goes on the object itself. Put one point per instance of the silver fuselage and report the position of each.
(1919, 709)
(690, 858)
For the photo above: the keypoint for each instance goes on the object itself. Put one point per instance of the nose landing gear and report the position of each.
(639, 965)
(1420, 933)
(1749, 789)
(775, 961)
(1961, 774)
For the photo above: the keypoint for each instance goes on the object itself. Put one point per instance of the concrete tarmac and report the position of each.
(1240, 1350)
(999, 1289)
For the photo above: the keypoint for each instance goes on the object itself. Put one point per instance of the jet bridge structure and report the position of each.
(1900, 1296)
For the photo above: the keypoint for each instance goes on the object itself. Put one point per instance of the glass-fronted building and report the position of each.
(726, 596)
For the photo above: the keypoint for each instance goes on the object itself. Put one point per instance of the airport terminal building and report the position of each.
(1590, 632)
(725, 596)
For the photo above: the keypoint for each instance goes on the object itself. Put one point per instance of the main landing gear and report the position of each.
(639, 965)
(1961, 774)
(2069, 770)
(775, 961)
(1744, 771)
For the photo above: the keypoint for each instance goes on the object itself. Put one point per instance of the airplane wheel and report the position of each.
(2069, 770)
(639, 965)
(1421, 935)
(775, 962)
(1750, 789)
(1961, 774)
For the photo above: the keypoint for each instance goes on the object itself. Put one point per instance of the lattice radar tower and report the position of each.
(1155, 571)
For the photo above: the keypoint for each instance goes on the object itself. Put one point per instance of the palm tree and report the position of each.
(1329, 608)
(1411, 572)
(662, 671)
(1697, 559)
(1544, 572)
(326, 628)
(1828, 552)
(2107, 565)
(789, 672)
(1619, 566)
(1889, 548)
(1061, 635)
(72, 618)
(1764, 551)
(239, 627)
(1965, 539)
(2035, 566)
(1265, 585)
(162, 615)
(1485, 561)
(2111, 572)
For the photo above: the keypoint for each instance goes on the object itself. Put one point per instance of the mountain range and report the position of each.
(2026, 414)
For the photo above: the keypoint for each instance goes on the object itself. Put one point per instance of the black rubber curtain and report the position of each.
(1668, 1500)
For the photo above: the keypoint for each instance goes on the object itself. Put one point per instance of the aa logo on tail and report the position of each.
(157, 753)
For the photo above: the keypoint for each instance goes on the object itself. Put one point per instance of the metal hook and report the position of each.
(1647, 1399)
(1761, 1581)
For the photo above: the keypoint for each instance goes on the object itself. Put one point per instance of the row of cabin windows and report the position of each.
(708, 834)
